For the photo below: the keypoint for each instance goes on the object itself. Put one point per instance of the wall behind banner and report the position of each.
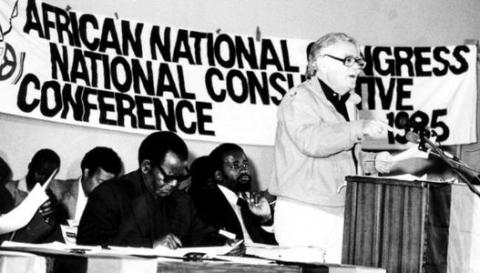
(373, 22)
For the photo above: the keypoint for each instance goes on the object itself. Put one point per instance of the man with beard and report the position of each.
(230, 206)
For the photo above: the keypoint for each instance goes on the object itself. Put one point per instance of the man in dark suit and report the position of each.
(230, 205)
(98, 165)
(143, 208)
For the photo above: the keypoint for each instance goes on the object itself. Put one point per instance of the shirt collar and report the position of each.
(231, 197)
(331, 95)
(81, 203)
(80, 188)
(22, 184)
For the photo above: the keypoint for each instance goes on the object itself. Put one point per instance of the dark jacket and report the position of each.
(215, 210)
(122, 212)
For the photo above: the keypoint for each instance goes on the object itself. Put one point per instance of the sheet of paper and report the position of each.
(53, 248)
(245, 260)
(167, 252)
(302, 254)
(162, 252)
(410, 153)
(23, 213)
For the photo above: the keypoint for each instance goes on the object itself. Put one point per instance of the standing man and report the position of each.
(98, 165)
(318, 143)
(143, 208)
(229, 205)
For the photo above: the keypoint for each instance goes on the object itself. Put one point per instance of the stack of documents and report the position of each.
(299, 254)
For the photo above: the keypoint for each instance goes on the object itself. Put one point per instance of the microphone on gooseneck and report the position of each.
(419, 139)
(418, 130)
(413, 137)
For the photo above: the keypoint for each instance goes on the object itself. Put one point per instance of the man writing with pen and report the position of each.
(231, 206)
(143, 208)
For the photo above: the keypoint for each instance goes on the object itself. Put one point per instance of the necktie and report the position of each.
(242, 203)
(244, 211)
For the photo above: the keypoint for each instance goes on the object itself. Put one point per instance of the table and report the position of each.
(79, 263)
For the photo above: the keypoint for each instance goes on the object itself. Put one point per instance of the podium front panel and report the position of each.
(398, 225)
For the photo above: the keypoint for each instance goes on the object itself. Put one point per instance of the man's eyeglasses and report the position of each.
(237, 165)
(170, 178)
(349, 60)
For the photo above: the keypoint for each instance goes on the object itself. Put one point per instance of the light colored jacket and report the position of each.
(17, 194)
(313, 146)
(66, 192)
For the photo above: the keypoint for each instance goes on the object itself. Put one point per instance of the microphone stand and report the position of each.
(455, 165)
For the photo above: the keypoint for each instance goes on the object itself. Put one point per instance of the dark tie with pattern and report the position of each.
(245, 212)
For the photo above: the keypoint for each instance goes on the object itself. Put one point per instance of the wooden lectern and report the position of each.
(398, 225)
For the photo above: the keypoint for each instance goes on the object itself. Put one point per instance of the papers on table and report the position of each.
(167, 252)
(130, 259)
(299, 254)
(259, 253)
(303, 254)
(61, 248)
(245, 260)
(160, 253)
(51, 248)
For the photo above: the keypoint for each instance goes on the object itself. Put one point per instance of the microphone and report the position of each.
(413, 137)
(420, 139)
(417, 139)
(418, 130)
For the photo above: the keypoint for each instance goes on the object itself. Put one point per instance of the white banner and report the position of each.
(119, 74)
(415, 88)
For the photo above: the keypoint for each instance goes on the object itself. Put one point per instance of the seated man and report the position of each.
(98, 165)
(42, 165)
(143, 208)
(230, 205)
(15, 218)
(44, 226)
(201, 179)
(6, 200)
